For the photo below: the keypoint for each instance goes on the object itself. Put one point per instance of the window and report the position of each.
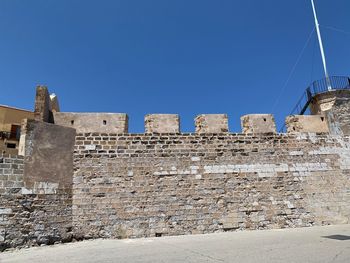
(11, 145)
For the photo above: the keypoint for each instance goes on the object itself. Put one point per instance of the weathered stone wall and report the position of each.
(335, 106)
(28, 219)
(93, 122)
(48, 151)
(136, 185)
(36, 189)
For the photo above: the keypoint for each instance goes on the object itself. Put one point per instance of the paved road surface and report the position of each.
(316, 244)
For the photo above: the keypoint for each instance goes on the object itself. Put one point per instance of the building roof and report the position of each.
(14, 108)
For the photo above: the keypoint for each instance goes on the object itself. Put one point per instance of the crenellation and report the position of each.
(307, 123)
(211, 123)
(162, 123)
(93, 122)
(258, 123)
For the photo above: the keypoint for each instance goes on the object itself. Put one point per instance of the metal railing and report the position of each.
(317, 87)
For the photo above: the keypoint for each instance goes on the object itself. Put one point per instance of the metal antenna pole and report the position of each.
(321, 46)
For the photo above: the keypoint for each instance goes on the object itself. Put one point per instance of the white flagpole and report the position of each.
(321, 46)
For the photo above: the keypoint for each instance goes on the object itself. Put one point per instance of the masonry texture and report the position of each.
(152, 185)
(30, 219)
(73, 184)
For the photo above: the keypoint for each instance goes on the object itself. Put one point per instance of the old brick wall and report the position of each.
(28, 219)
(136, 185)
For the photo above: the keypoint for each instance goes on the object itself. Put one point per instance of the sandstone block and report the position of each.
(258, 123)
(93, 122)
(308, 123)
(162, 123)
(211, 123)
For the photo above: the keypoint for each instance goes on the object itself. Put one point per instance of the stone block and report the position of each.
(211, 123)
(258, 123)
(93, 122)
(307, 123)
(162, 123)
(48, 153)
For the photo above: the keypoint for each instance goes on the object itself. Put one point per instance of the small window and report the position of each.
(72, 122)
(264, 119)
(15, 132)
(322, 118)
(11, 145)
(104, 122)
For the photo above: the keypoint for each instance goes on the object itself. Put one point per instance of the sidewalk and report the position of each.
(316, 244)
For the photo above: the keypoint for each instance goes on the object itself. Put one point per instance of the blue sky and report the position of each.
(185, 56)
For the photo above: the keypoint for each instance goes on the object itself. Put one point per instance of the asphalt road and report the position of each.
(316, 244)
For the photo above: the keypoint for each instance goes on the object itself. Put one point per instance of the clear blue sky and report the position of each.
(181, 56)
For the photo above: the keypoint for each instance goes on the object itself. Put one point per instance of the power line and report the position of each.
(337, 29)
(293, 69)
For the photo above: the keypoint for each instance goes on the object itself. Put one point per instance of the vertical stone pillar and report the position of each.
(162, 123)
(211, 123)
(42, 110)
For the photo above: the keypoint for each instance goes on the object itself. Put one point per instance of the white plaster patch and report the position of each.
(198, 176)
(264, 170)
(292, 153)
(289, 204)
(5, 211)
(26, 191)
(90, 147)
(195, 159)
(45, 188)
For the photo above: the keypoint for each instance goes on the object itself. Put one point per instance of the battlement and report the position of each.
(117, 123)
(329, 115)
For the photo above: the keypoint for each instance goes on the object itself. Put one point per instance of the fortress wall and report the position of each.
(36, 189)
(137, 185)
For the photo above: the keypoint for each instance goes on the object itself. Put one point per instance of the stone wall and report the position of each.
(28, 219)
(36, 189)
(335, 106)
(137, 185)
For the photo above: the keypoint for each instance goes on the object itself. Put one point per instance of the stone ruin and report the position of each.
(82, 175)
